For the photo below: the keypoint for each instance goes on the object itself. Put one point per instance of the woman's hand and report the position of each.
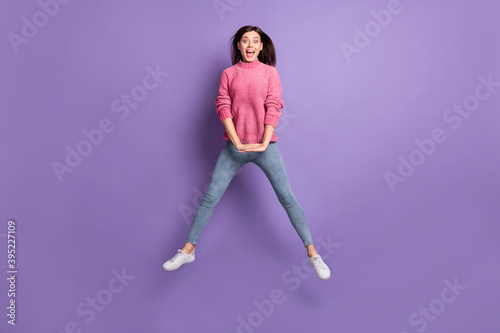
(268, 133)
(253, 147)
(248, 147)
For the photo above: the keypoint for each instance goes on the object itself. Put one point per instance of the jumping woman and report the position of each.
(248, 105)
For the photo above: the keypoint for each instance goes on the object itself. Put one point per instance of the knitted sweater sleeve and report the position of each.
(223, 102)
(273, 101)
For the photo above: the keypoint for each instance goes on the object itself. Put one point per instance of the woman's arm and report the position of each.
(273, 102)
(268, 133)
(223, 102)
(231, 131)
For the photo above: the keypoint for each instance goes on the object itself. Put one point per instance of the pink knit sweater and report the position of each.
(250, 93)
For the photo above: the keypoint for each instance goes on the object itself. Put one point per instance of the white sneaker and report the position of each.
(321, 268)
(178, 260)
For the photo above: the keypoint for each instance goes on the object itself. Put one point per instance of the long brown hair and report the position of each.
(266, 56)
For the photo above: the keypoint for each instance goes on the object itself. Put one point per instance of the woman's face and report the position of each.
(250, 45)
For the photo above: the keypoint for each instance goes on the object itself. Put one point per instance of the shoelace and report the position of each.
(319, 264)
(177, 256)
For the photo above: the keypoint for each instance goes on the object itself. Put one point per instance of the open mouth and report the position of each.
(250, 53)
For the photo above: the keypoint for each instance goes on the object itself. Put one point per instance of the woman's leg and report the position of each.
(229, 162)
(271, 162)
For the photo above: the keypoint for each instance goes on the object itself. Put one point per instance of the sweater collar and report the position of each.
(249, 65)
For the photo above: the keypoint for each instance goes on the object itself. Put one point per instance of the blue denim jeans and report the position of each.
(229, 162)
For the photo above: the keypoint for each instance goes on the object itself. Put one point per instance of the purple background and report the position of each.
(344, 125)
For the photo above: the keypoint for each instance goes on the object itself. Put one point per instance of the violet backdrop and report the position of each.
(389, 136)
